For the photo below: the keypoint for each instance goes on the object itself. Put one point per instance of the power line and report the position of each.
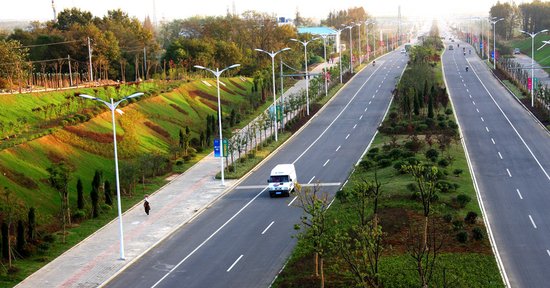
(50, 44)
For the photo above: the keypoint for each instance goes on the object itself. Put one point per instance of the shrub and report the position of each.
(458, 225)
(367, 164)
(448, 218)
(413, 161)
(452, 124)
(414, 144)
(477, 234)
(470, 217)
(179, 162)
(79, 215)
(412, 187)
(432, 154)
(463, 200)
(397, 166)
(435, 197)
(443, 163)
(444, 186)
(457, 172)
(343, 195)
(448, 111)
(383, 163)
(49, 238)
(462, 236)
(395, 153)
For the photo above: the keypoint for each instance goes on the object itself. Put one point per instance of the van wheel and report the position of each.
(271, 195)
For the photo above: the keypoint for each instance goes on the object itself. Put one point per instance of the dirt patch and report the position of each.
(179, 109)
(95, 136)
(237, 84)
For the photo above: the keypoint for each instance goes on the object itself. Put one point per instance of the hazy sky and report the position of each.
(174, 9)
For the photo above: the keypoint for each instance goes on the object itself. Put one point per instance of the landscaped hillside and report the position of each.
(148, 126)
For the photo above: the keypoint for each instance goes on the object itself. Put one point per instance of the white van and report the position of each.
(282, 180)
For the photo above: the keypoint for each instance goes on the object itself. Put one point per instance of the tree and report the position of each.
(426, 179)
(314, 204)
(20, 240)
(108, 193)
(69, 17)
(431, 105)
(6, 254)
(31, 229)
(424, 251)
(59, 180)
(361, 246)
(80, 194)
(13, 56)
(94, 194)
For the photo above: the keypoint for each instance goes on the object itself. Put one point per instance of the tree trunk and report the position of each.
(425, 236)
(316, 264)
(322, 274)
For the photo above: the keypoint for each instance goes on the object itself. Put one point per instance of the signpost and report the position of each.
(217, 147)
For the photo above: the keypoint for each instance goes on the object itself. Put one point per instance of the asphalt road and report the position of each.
(510, 157)
(244, 239)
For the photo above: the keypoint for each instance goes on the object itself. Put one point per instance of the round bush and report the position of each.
(471, 217)
(367, 164)
(462, 236)
(448, 111)
(383, 163)
(413, 161)
(448, 218)
(457, 172)
(397, 166)
(458, 225)
(443, 163)
(444, 186)
(79, 215)
(395, 153)
(477, 233)
(463, 200)
(179, 162)
(432, 154)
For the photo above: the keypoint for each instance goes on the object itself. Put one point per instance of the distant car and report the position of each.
(403, 51)
(451, 47)
(516, 51)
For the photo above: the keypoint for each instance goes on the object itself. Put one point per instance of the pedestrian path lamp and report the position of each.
(350, 48)
(273, 54)
(305, 60)
(112, 106)
(533, 35)
(367, 32)
(339, 33)
(217, 73)
(324, 36)
(494, 22)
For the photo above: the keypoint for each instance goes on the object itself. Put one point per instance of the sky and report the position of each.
(179, 9)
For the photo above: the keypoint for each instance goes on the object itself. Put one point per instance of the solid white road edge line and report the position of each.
(292, 201)
(311, 180)
(519, 194)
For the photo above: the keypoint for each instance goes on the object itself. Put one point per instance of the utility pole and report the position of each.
(70, 70)
(145, 63)
(90, 58)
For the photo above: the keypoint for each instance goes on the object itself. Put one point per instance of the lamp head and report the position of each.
(88, 96)
(234, 66)
(134, 95)
(199, 67)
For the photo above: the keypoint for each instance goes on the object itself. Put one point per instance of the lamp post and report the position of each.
(367, 32)
(350, 47)
(359, 37)
(324, 36)
(533, 35)
(338, 33)
(217, 73)
(273, 54)
(494, 22)
(305, 60)
(112, 106)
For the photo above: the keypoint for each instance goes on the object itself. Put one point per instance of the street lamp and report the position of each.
(494, 22)
(533, 35)
(545, 43)
(112, 106)
(324, 36)
(338, 33)
(305, 60)
(217, 73)
(367, 32)
(350, 47)
(359, 35)
(273, 54)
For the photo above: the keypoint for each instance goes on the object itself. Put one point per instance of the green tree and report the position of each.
(79, 194)
(108, 193)
(314, 204)
(13, 57)
(31, 229)
(59, 180)
(426, 179)
(20, 240)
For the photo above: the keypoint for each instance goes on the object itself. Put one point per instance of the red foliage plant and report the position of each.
(95, 136)
(157, 129)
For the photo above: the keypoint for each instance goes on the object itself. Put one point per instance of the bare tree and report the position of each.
(59, 180)
(424, 253)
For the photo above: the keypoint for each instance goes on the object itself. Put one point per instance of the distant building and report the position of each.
(285, 21)
(317, 31)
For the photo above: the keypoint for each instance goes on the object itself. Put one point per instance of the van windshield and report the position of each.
(278, 179)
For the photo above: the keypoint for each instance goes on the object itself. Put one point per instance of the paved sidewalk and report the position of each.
(96, 259)
(538, 71)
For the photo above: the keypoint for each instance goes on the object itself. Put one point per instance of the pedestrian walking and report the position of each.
(146, 204)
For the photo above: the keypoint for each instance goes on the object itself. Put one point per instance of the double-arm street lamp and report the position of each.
(338, 34)
(359, 37)
(217, 73)
(324, 36)
(494, 21)
(273, 54)
(305, 60)
(112, 106)
(350, 26)
(367, 32)
(533, 35)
